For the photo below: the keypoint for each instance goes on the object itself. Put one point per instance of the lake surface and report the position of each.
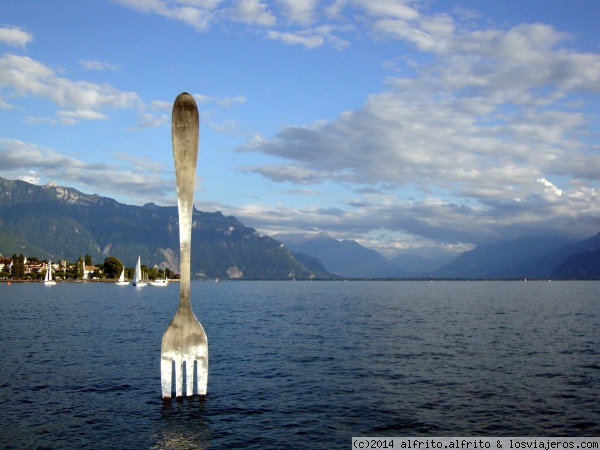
(300, 364)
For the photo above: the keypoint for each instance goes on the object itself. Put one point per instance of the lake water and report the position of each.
(300, 364)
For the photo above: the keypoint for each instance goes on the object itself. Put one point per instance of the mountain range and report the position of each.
(534, 257)
(555, 258)
(344, 258)
(59, 222)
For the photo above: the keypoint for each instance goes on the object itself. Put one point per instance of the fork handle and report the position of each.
(185, 131)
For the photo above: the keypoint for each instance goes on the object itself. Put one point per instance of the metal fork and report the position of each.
(184, 339)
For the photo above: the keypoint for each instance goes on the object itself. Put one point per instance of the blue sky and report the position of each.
(410, 126)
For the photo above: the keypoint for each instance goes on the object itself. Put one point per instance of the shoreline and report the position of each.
(72, 281)
(331, 279)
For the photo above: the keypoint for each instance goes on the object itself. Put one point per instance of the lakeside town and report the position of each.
(23, 268)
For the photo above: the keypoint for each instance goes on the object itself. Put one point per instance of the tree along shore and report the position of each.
(22, 268)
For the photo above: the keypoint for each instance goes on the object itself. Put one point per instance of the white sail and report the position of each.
(122, 281)
(137, 275)
(48, 281)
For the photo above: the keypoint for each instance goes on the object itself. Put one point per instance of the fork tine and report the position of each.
(189, 376)
(166, 376)
(201, 375)
(179, 376)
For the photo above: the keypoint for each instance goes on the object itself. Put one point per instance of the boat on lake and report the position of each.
(163, 282)
(122, 281)
(137, 275)
(48, 281)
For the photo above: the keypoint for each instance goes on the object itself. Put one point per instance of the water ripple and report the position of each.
(300, 365)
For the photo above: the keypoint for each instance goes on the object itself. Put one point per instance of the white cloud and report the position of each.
(23, 76)
(253, 12)
(155, 114)
(476, 134)
(306, 40)
(228, 126)
(5, 105)
(85, 114)
(289, 173)
(92, 64)
(310, 38)
(482, 118)
(399, 9)
(433, 222)
(550, 187)
(197, 14)
(203, 4)
(225, 102)
(201, 14)
(31, 178)
(299, 11)
(149, 120)
(15, 36)
(133, 177)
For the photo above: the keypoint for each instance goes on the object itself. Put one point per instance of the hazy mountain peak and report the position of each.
(344, 258)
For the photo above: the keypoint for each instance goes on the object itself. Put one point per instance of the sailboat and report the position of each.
(48, 281)
(137, 275)
(122, 281)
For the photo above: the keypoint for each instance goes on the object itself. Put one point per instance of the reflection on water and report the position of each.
(183, 425)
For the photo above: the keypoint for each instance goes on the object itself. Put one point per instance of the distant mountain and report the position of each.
(420, 266)
(11, 244)
(344, 258)
(579, 266)
(502, 259)
(59, 222)
(314, 265)
(521, 258)
(547, 265)
(578, 260)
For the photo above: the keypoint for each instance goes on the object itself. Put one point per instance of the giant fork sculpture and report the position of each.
(184, 339)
